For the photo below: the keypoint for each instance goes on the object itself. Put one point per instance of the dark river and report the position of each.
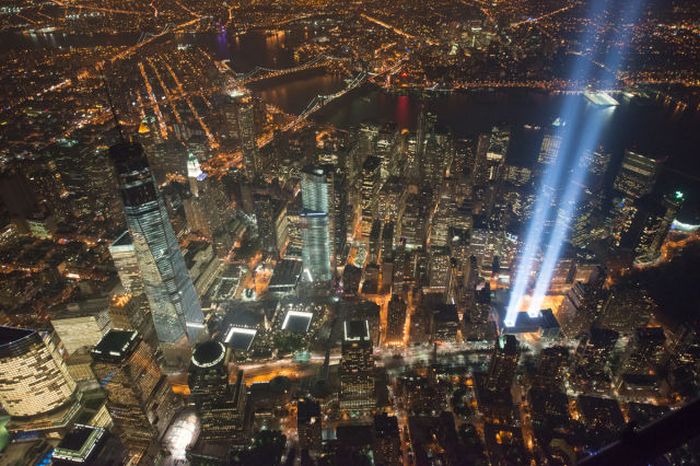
(651, 127)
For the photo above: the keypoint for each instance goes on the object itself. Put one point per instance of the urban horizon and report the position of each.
(326, 233)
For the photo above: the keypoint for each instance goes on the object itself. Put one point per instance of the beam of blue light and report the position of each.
(589, 140)
(567, 209)
(535, 231)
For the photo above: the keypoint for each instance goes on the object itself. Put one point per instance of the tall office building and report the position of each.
(549, 150)
(309, 424)
(387, 440)
(127, 265)
(424, 132)
(504, 361)
(265, 206)
(315, 194)
(368, 192)
(357, 397)
(207, 208)
(34, 379)
(80, 328)
(174, 303)
(656, 226)
(87, 192)
(131, 311)
(339, 212)
(396, 320)
(316, 246)
(316, 225)
(413, 220)
(88, 446)
(592, 359)
(637, 175)
(247, 135)
(220, 406)
(444, 215)
(494, 396)
(139, 398)
(491, 151)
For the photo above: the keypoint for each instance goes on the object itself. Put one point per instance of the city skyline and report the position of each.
(323, 233)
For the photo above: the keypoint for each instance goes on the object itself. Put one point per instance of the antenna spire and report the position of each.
(113, 109)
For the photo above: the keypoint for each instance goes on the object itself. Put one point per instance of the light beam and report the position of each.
(589, 140)
(550, 183)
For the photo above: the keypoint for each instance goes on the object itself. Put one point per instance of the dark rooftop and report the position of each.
(356, 330)
(286, 273)
(354, 435)
(128, 157)
(602, 337)
(116, 345)
(386, 425)
(307, 409)
(446, 313)
(371, 163)
(208, 353)
(11, 334)
(123, 240)
(76, 438)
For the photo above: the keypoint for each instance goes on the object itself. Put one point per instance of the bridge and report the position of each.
(261, 73)
(221, 164)
(321, 101)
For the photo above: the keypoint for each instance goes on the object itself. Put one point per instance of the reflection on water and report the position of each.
(652, 128)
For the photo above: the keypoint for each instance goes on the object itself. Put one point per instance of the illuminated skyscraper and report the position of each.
(504, 361)
(139, 398)
(396, 320)
(316, 225)
(127, 265)
(247, 134)
(491, 151)
(549, 151)
(207, 209)
(656, 226)
(34, 380)
(356, 369)
(637, 175)
(368, 192)
(174, 303)
(220, 405)
(314, 189)
(316, 246)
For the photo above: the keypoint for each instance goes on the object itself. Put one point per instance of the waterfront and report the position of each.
(653, 127)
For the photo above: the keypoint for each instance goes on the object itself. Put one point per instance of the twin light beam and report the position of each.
(570, 167)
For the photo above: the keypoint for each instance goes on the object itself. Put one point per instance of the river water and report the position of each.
(651, 127)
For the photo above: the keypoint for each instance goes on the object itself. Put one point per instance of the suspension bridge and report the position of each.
(261, 73)
(321, 101)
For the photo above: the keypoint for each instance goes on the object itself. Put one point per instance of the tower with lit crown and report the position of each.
(175, 307)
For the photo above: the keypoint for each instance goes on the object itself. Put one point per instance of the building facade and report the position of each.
(175, 306)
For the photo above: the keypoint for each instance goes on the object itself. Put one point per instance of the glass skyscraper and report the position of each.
(174, 303)
(316, 221)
